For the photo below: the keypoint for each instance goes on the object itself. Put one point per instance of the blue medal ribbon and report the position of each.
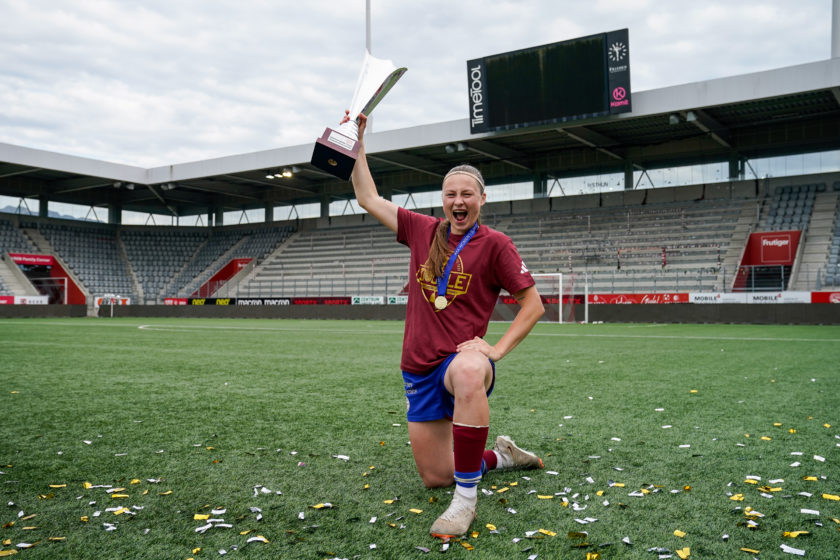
(443, 281)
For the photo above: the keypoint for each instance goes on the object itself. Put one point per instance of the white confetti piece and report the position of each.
(590, 480)
(511, 511)
(805, 494)
(791, 550)
(809, 511)
(752, 477)
(685, 446)
(87, 441)
(203, 528)
(796, 453)
(218, 512)
(553, 473)
(666, 426)
(372, 546)
(819, 458)
(372, 520)
(301, 516)
(626, 540)
(109, 527)
(344, 458)
(568, 417)
(795, 464)
(777, 481)
(659, 410)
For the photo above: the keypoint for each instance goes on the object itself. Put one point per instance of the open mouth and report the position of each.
(460, 216)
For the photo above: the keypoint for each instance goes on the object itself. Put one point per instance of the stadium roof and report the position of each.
(777, 112)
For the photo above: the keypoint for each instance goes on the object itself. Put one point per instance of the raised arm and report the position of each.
(366, 194)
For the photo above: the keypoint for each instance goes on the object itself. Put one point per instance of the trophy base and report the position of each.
(335, 153)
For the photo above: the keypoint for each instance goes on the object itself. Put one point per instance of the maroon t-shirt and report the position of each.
(488, 263)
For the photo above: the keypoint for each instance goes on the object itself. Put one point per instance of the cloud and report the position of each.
(162, 82)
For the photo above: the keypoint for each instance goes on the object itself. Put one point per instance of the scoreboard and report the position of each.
(560, 82)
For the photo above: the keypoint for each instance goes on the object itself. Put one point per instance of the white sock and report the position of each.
(468, 493)
(503, 460)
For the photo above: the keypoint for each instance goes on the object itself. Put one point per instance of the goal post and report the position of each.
(558, 294)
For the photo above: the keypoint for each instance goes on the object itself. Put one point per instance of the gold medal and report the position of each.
(440, 303)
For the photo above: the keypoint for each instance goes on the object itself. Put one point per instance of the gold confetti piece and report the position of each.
(501, 490)
(145, 492)
(433, 500)
(831, 497)
(737, 498)
(474, 534)
(415, 510)
(28, 517)
(119, 496)
(810, 478)
(593, 556)
(9, 525)
(121, 511)
(7, 542)
(679, 533)
(168, 492)
(201, 517)
(196, 550)
(15, 392)
(366, 486)
(258, 538)
(382, 443)
(827, 425)
(577, 535)
(750, 481)
(618, 484)
(467, 545)
(389, 502)
(87, 485)
(794, 534)
(57, 539)
(746, 435)
(513, 484)
(490, 527)
(750, 550)
(765, 438)
(792, 430)
(112, 490)
(686, 488)
(547, 532)
(246, 532)
(135, 481)
(836, 520)
(545, 497)
(84, 518)
(777, 424)
(49, 496)
(210, 448)
(684, 553)
(30, 528)
(8, 552)
(693, 391)
(58, 486)
(599, 493)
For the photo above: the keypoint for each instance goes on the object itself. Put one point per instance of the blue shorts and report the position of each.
(427, 396)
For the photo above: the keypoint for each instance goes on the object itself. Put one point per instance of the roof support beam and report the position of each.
(592, 139)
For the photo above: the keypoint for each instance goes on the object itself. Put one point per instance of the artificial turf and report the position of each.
(647, 432)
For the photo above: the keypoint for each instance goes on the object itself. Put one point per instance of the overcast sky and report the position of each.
(155, 82)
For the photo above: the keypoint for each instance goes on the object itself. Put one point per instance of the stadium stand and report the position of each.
(12, 240)
(222, 247)
(663, 240)
(157, 256)
(332, 261)
(92, 251)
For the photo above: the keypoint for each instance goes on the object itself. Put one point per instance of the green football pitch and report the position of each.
(133, 438)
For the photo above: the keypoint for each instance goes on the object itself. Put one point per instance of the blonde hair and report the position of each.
(439, 250)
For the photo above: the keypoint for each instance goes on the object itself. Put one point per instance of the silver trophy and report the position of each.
(337, 149)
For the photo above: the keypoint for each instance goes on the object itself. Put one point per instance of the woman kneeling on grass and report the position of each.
(457, 270)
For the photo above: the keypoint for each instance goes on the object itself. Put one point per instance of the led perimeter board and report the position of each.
(560, 82)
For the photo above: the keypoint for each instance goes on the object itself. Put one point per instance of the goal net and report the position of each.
(558, 294)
